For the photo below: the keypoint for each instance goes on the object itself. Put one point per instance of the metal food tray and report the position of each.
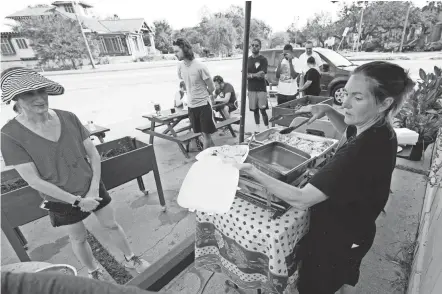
(289, 164)
(256, 194)
(263, 137)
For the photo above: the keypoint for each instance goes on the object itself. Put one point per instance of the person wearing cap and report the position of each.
(52, 152)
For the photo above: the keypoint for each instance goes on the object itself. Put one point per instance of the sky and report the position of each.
(180, 13)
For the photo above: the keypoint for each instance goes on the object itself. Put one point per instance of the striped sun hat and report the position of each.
(18, 80)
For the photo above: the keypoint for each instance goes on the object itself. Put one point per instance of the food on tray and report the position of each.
(233, 153)
(314, 148)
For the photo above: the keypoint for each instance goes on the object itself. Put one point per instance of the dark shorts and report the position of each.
(281, 98)
(73, 215)
(232, 107)
(201, 119)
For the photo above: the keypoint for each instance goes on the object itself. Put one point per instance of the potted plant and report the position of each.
(422, 112)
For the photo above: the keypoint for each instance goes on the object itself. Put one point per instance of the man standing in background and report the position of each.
(257, 87)
(309, 53)
(287, 85)
(199, 86)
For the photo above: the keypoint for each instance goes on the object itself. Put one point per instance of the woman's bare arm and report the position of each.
(29, 173)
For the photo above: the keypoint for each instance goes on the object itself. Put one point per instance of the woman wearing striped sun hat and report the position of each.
(51, 150)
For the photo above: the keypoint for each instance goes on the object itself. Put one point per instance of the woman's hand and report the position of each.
(89, 204)
(317, 110)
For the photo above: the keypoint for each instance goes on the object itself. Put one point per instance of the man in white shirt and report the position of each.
(287, 85)
(310, 53)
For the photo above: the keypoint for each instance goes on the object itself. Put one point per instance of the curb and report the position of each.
(152, 65)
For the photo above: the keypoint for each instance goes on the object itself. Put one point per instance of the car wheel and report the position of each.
(338, 94)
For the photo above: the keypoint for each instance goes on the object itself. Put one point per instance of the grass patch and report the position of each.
(404, 259)
(117, 271)
(12, 185)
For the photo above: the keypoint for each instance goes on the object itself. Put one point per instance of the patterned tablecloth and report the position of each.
(252, 250)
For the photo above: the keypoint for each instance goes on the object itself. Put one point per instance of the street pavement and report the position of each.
(117, 100)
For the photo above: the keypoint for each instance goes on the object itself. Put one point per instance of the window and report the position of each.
(21, 43)
(69, 8)
(135, 39)
(7, 48)
(113, 45)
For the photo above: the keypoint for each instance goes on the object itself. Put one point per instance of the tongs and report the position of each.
(291, 129)
(281, 116)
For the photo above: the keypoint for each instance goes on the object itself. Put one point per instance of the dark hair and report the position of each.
(288, 47)
(182, 84)
(389, 80)
(218, 79)
(186, 47)
(311, 60)
(15, 108)
(259, 41)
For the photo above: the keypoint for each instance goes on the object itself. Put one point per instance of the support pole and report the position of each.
(405, 27)
(245, 56)
(360, 30)
(84, 36)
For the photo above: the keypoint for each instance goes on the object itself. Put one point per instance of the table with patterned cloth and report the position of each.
(253, 250)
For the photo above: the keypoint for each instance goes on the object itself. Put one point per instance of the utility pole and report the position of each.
(84, 36)
(245, 56)
(360, 29)
(405, 27)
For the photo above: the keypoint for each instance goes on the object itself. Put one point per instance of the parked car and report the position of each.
(434, 46)
(335, 71)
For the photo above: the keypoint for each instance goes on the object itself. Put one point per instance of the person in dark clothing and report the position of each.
(348, 194)
(256, 86)
(312, 79)
(225, 93)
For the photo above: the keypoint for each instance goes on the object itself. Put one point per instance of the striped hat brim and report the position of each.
(16, 81)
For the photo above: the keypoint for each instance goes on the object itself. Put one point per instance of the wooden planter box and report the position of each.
(22, 206)
(289, 107)
(128, 166)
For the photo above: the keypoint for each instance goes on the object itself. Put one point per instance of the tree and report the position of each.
(221, 35)
(294, 32)
(235, 14)
(259, 30)
(58, 39)
(319, 27)
(279, 39)
(163, 36)
(428, 16)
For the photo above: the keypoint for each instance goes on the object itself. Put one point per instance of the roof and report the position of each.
(32, 11)
(84, 4)
(95, 25)
(123, 25)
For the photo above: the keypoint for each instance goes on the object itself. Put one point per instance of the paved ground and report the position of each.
(117, 100)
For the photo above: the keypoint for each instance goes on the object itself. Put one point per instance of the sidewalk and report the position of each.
(353, 56)
(128, 66)
(366, 56)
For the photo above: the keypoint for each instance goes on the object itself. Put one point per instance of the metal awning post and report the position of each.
(245, 56)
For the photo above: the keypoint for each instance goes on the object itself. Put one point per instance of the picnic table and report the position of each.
(97, 131)
(253, 250)
(171, 121)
